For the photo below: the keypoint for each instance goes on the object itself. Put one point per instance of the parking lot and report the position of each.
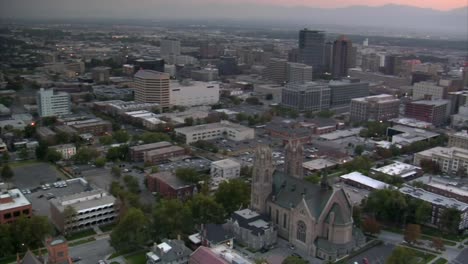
(35, 174)
(377, 255)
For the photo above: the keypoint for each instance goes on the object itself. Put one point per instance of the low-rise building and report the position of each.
(222, 129)
(404, 135)
(203, 255)
(45, 133)
(450, 160)
(439, 203)
(252, 229)
(398, 169)
(168, 185)
(169, 252)
(66, 150)
(226, 169)
(163, 154)
(459, 139)
(83, 210)
(194, 93)
(360, 180)
(13, 205)
(137, 153)
(449, 190)
(97, 127)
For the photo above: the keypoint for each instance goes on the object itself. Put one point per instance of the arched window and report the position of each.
(266, 176)
(301, 231)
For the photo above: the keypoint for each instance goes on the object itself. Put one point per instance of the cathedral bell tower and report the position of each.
(262, 179)
(294, 154)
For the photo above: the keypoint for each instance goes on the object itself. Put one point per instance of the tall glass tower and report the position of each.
(312, 48)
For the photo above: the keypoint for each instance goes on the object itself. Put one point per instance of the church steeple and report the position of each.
(262, 178)
(294, 157)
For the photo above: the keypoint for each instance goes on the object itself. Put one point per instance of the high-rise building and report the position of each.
(170, 46)
(152, 87)
(293, 55)
(344, 90)
(52, 104)
(311, 48)
(147, 64)
(309, 96)
(393, 64)
(328, 57)
(276, 70)
(375, 108)
(299, 72)
(342, 57)
(228, 65)
(370, 62)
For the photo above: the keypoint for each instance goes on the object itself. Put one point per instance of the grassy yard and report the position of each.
(428, 232)
(425, 257)
(82, 241)
(138, 258)
(80, 234)
(16, 164)
(440, 261)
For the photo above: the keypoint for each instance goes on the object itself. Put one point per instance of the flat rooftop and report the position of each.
(150, 74)
(364, 180)
(170, 178)
(84, 200)
(414, 131)
(433, 198)
(17, 197)
(431, 102)
(226, 163)
(318, 164)
(448, 187)
(399, 169)
(341, 134)
(165, 150)
(220, 125)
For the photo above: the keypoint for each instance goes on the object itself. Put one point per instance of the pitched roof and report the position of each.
(30, 258)
(205, 255)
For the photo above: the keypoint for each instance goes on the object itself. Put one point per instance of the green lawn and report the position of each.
(7, 260)
(138, 258)
(440, 261)
(107, 228)
(22, 163)
(80, 234)
(430, 232)
(426, 257)
(82, 241)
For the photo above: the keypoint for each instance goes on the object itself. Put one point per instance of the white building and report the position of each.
(152, 87)
(53, 104)
(194, 93)
(226, 168)
(222, 129)
(67, 150)
(398, 169)
(459, 139)
(362, 181)
(299, 72)
(449, 159)
(428, 91)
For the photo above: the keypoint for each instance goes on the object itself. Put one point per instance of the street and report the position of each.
(92, 252)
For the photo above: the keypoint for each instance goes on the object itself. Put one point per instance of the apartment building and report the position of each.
(53, 104)
(222, 129)
(459, 139)
(13, 205)
(137, 153)
(66, 150)
(434, 112)
(374, 108)
(96, 127)
(163, 154)
(450, 159)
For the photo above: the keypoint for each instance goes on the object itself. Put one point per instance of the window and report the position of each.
(16, 213)
(7, 216)
(285, 218)
(301, 231)
(26, 211)
(277, 216)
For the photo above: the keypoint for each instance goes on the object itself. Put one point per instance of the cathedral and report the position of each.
(315, 218)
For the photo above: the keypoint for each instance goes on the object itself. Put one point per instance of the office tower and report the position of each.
(429, 91)
(344, 90)
(53, 104)
(342, 57)
(328, 57)
(152, 87)
(170, 46)
(101, 74)
(311, 48)
(465, 75)
(227, 65)
(434, 112)
(147, 64)
(393, 64)
(370, 62)
(210, 50)
(299, 72)
(309, 96)
(293, 55)
(375, 108)
(276, 70)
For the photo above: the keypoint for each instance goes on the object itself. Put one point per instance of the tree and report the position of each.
(118, 153)
(85, 155)
(106, 140)
(293, 260)
(5, 157)
(100, 162)
(387, 205)
(360, 163)
(438, 243)
(233, 195)
(423, 211)
(23, 154)
(357, 216)
(269, 97)
(116, 172)
(132, 184)
(121, 136)
(450, 220)
(131, 232)
(153, 137)
(7, 173)
(461, 172)
(171, 218)
(402, 255)
(154, 169)
(53, 155)
(41, 150)
(30, 131)
(429, 166)
(358, 150)
(188, 175)
(412, 233)
(371, 226)
(69, 213)
(325, 114)
(62, 138)
(206, 210)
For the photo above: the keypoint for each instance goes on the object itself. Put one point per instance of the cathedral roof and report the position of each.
(290, 191)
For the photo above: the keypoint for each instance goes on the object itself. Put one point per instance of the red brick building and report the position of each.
(434, 112)
(159, 155)
(137, 153)
(13, 204)
(57, 250)
(167, 185)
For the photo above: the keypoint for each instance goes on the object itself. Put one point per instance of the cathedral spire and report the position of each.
(294, 159)
(262, 178)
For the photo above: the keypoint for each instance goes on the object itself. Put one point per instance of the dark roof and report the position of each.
(205, 255)
(170, 179)
(216, 233)
(30, 258)
(290, 191)
(245, 223)
(178, 251)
